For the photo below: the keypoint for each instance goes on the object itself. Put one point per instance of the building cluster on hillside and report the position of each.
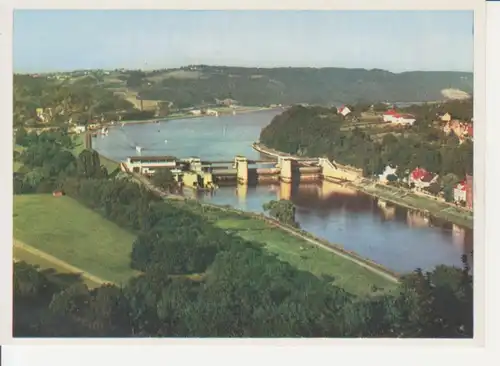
(420, 179)
(463, 130)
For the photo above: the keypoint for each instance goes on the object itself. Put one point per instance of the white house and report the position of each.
(403, 119)
(195, 112)
(460, 192)
(389, 170)
(343, 110)
(389, 115)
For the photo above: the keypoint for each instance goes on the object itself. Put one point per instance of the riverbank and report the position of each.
(222, 111)
(336, 249)
(398, 196)
(407, 199)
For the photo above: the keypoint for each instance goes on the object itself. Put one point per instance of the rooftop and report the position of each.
(151, 158)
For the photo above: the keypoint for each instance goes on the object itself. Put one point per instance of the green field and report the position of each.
(299, 253)
(67, 230)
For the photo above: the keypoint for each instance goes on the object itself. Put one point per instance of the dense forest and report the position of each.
(323, 86)
(318, 132)
(198, 280)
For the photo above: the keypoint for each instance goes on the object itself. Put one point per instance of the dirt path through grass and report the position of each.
(58, 264)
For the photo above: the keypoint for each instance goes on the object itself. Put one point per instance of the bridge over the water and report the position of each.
(202, 172)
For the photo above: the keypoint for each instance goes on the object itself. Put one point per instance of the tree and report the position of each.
(163, 178)
(89, 164)
(21, 136)
(434, 188)
(283, 211)
(392, 178)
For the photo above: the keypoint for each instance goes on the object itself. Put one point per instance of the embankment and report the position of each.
(398, 196)
(222, 112)
(304, 235)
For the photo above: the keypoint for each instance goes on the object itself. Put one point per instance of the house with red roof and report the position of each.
(421, 178)
(343, 110)
(389, 115)
(400, 118)
(462, 193)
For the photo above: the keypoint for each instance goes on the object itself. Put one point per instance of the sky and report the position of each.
(63, 40)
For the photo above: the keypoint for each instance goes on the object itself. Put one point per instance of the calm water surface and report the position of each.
(392, 236)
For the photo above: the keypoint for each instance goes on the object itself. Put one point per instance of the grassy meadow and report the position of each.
(304, 256)
(67, 230)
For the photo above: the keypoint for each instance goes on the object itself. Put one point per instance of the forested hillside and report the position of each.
(318, 132)
(325, 86)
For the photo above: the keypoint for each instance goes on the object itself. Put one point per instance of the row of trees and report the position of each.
(318, 132)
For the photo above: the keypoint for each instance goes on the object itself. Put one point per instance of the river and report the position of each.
(392, 236)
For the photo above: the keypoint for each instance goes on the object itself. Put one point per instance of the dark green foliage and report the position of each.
(283, 211)
(138, 115)
(89, 165)
(325, 86)
(46, 161)
(163, 178)
(392, 178)
(316, 133)
(135, 79)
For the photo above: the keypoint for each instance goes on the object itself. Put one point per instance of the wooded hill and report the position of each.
(319, 132)
(325, 86)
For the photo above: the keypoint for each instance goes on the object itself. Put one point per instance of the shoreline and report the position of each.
(297, 232)
(189, 116)
(461, 218)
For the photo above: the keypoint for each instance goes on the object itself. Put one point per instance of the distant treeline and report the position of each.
(325, 86)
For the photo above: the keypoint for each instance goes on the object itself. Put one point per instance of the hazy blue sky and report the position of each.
(50, 40)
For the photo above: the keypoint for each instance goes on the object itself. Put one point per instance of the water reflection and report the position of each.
(393, 236)
(390, 235)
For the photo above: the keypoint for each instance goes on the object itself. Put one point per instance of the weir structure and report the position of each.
(201, 173)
